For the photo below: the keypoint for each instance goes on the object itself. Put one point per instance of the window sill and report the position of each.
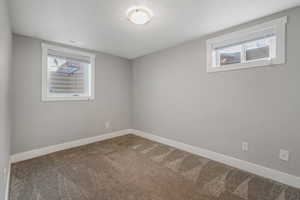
(243, 66)
(52, 99)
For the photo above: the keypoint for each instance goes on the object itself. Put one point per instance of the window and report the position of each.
(67, 74)
(257, 46)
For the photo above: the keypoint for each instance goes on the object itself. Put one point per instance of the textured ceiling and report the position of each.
(102, 24)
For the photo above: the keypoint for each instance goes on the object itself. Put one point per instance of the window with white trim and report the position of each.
(260, 45)
(67, 74)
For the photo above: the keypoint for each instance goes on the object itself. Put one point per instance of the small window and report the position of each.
(228, 55)
(67, 74)
(257, 46)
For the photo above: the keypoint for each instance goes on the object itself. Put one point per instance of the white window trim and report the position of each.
(45, 97)
(277, 26)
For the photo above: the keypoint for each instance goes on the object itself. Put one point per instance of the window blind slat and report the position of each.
(66, 83)
(67, 91)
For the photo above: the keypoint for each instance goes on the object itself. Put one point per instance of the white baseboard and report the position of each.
(7, 182)
(231, 161)
(59, 147)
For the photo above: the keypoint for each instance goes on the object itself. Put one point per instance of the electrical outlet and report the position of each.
(284, 155)
(107, 125)
(245, 146)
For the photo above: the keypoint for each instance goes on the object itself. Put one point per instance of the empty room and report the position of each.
(149, 100)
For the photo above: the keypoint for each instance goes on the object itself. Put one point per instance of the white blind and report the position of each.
(66, 83)
(67, 75)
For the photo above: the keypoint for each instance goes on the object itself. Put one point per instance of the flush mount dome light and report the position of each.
(139, 15)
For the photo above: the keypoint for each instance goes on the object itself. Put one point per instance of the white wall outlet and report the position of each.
(107, 125)
(245, 146)
(284, 155)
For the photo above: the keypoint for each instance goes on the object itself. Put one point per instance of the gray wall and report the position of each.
(175, 98)
(38, 124)
(5, 53)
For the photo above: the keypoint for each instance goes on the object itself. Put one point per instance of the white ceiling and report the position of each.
(102, 24)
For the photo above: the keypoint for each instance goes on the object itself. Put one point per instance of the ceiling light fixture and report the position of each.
(139, 15)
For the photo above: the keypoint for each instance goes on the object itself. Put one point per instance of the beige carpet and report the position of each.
(133, 168)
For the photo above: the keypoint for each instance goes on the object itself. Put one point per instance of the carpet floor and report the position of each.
(133, 168)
